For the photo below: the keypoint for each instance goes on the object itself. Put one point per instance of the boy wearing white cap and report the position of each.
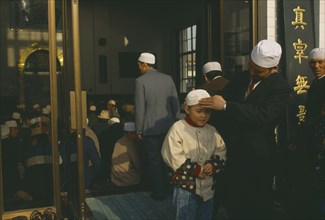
(126, 165)
(213, 75)
(194, 151)
(156, 109)
(251, 106)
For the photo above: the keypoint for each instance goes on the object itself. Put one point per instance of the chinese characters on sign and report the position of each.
(299, 20)
(301, 85)
(300, 47)
(301, 114)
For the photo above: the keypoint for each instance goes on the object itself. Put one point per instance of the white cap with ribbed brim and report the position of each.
(266, 53)
(211, 66)
(195, 96)
(317, 54)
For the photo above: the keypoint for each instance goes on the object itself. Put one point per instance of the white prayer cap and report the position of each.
(211, 66)
(35, 106)
(21, 106)
(112, 102)
(5, 130)
(129, 126)
(92, 108)
(46, 111)
(11, 123)
(103, 114)
(317, 54)
(16, 115)
(195, 96)
(113, 120)
(35, 120)
(147, 58)
(266, 53)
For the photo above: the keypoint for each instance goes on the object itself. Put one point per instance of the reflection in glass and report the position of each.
(237, 36)
(25, 103)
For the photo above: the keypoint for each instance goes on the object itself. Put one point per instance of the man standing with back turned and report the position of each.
(156, 109)
(252, 105)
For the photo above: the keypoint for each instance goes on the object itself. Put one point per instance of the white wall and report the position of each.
(148, 26)
(321, 23)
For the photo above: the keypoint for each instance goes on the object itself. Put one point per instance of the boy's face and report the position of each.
(198, 115)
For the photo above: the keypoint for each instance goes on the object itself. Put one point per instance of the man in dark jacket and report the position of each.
(252, 105)
(314, 131)
(215, 82)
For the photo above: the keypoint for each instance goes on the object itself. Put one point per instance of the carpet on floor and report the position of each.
(136, 205)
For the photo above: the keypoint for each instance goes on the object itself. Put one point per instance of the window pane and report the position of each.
(194, 31)
(189, 33)
(194, 44)
(187, 58)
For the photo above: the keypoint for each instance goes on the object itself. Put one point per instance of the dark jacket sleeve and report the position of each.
(264, 105)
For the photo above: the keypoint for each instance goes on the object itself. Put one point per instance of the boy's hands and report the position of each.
(202, 175)
(207, 170)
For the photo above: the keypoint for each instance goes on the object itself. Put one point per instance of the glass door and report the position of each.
(31, 63)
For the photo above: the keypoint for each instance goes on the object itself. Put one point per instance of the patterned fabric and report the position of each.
(217, 163)
(198, 144)
(184, 176)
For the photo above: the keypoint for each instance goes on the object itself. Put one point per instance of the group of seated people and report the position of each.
(26, 157)
(110, 153)
(114, 131)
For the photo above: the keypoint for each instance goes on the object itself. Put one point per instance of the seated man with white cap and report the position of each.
(38, 161)
(17, 117)
(112, 110)
(213, 75)
(12, 164)
(126, 165)
(92, 115)
(37, 111)
(251, 106)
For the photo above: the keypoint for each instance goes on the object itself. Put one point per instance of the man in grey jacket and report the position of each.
(156, 109)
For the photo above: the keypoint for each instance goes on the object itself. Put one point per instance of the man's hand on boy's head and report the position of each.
(215, 102)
